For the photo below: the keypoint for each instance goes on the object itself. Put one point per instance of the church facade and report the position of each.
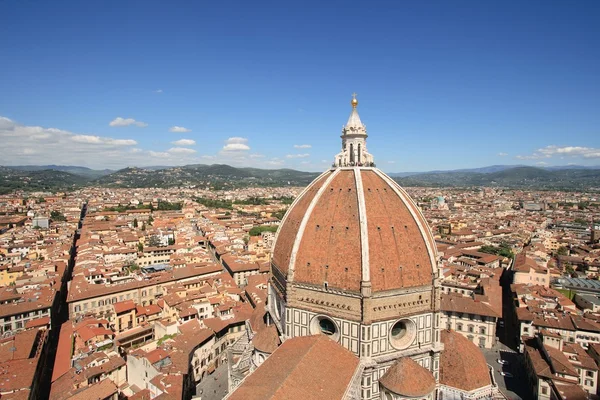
(355, 261)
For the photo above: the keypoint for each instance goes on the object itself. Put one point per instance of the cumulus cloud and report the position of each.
(126, 122)
(302, 146)
(256, 156)
(179, 129)
(236, 144)
(22, 144)
(502, 154)
(181, 150)
(159, 154)
(275, 162)
(184, 142)
(158, 91)
(97, 140)
(564, 151)
(298, 155)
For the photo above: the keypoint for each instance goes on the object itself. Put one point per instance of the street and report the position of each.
(214, 386)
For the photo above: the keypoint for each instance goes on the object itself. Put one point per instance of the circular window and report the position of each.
(403, 333)
(325, 326)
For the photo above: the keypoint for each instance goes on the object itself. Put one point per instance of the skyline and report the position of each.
(440, 87)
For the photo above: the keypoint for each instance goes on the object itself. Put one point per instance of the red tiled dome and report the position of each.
(462, 364)
(352, 225)
(407, 378)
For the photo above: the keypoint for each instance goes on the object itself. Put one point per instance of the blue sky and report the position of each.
(441, 85)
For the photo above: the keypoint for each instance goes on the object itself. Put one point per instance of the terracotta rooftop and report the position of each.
(407, 378)
(462, 364)
(307, 368)
(401, 249)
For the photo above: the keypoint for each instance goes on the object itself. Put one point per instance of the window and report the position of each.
(544, 390)
(459, 327)
(589, 373)
(402, 333)
(327, 326)
(482, 330)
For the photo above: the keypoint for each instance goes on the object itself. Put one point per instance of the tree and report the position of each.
(154, 241)
(569, 269)
(135, 223)
(150, 220)
(562, 251)
(140, 247)
(171, 241)
(57, 216)
(257, 230)
(144, 226)
(503, 250)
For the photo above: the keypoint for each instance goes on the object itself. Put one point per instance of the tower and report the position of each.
(354, 141)
(354, 259)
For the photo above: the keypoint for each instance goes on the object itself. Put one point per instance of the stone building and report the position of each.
(355, 261)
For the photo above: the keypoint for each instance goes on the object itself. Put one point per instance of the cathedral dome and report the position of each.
(354, 225)
(354, 229)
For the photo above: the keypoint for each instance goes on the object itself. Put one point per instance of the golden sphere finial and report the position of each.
(354, 101)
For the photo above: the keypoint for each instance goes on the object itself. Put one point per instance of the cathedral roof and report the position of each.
(353, 225)
(308, 368)
(407, 378)
(462, 364)
(266, 339)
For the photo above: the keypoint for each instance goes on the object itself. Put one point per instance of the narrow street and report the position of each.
(60, 315)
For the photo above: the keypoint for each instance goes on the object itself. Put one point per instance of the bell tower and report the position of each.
(354, 142)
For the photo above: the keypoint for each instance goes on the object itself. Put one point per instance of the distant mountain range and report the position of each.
(219, 176)
(82, 171)
(492, 168)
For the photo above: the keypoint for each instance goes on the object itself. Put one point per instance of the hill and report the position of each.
(216, 176)
(38, 180)
(518, 177)
(221, 176)
(81, 171)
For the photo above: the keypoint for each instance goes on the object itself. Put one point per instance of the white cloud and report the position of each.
(158, 91)
(298, 155)
(127, 122)
(179, 129)
(302, 146)
(181, 150)
(256, 156)
(159, 154)
(236, 144)
(274, 162)
(502, 154)
(86, 139)
(90, 139)
(184, 142)
(22, 144)
(564, 151)
(541, 163)
(391, 162)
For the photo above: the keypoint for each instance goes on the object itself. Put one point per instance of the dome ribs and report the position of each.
(333, 250)
(395, 239)
(291, 223)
